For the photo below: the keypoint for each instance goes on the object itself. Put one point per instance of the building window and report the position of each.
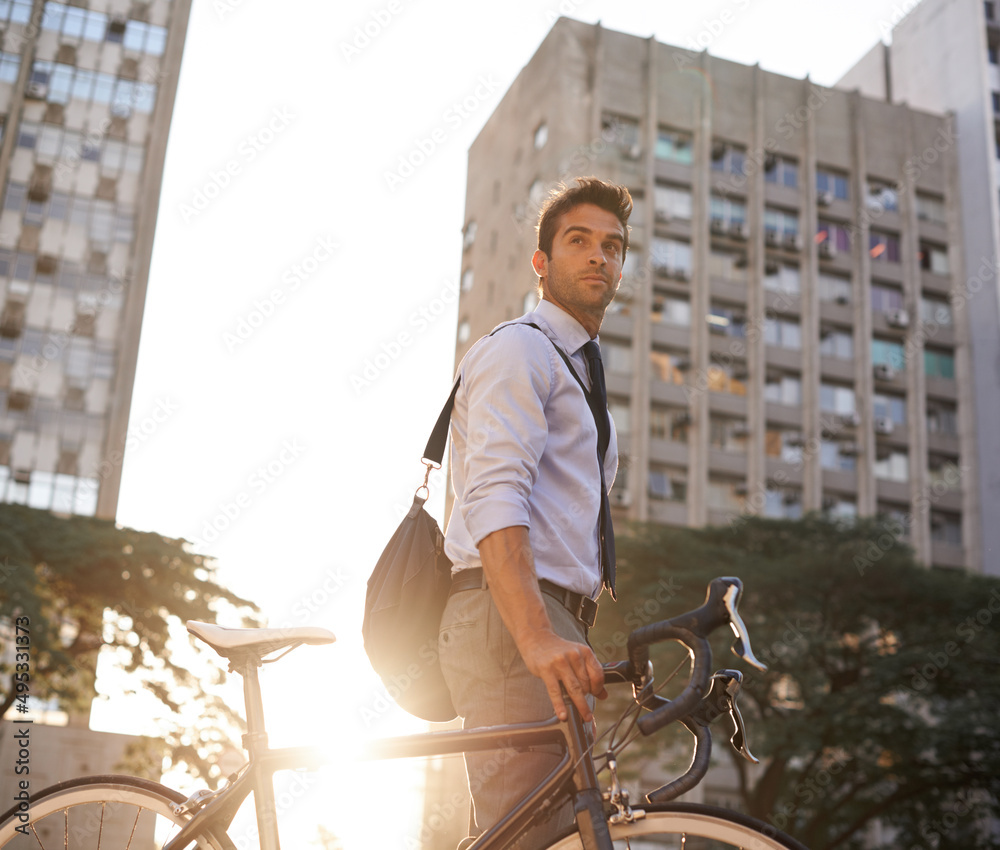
(931, 209)
(836, 455)
(831, 185)
(886, 299)
(839, 344)
(621, 132)
(729, 435)
(939, 364)
(730, 266)
(9, 66)
(673, 146)
(832, 239)
(782, 277)
(730, 321)
(783, 389)
(671, 202)
(723, 213)
(935, 311)
(61, 83)
(883, 247)
(882, 197)
(840, 507)
(991, 54)
(669, 367)
(834, 288)
(933, 258)
(467, 280)
(464, 331)
(887, 353)
(671, 257)
(725, 494)
(895, 466)
(667, 484)
(541, 136)
(617, 356)
(783, 443)
(943, 475)
(669, 423)
(782, 503)
(946, 528)
(671, 310)
(780, 224)
(469, 235)
(16, 12)
(942, 418)
(891, 407)
(781, 170)
(725, 379)
(728, 158)
(782, 333)
(837, 399)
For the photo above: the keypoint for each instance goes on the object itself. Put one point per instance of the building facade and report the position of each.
(787, 336)
(945, 57)
(86, 94)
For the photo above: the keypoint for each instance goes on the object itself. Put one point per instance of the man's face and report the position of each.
(585, 268)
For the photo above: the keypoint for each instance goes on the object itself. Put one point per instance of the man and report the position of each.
(526, 534)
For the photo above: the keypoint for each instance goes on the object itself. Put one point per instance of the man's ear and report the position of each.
(540, 263)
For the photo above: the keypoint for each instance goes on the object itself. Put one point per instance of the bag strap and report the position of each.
(434, 450)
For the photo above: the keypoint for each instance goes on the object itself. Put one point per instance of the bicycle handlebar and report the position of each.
(692, 629)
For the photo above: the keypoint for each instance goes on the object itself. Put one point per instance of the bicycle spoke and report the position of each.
(135, 823)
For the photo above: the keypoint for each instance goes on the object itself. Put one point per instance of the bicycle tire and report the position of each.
(95, 812)
(690, 826)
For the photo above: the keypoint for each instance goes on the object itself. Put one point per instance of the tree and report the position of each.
(881, 700)
(86, 585)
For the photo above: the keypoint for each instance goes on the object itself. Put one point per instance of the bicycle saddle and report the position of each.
(259, 642)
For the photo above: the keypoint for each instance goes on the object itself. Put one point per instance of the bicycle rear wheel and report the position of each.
(99, 812)
(691, 826)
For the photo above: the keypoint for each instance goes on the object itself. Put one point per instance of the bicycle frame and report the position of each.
(575, 777)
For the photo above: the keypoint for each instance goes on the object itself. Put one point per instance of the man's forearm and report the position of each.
(510, 573)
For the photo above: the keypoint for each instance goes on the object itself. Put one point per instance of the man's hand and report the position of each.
(574, 665)
(510, 574)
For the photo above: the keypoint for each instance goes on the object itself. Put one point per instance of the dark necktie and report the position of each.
(597, 398)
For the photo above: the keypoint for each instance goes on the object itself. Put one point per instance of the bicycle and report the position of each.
(122, 811)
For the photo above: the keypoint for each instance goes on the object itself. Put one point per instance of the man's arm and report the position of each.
(510, 573)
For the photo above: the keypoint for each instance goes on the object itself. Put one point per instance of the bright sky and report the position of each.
(287, 119)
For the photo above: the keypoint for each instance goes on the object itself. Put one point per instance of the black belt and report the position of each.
(582, 607)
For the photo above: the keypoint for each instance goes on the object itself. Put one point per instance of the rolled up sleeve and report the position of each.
(507, 382)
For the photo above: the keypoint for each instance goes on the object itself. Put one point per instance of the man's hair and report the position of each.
(588, 190)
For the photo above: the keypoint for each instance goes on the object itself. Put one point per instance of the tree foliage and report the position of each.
(86, 585)
(877, 721)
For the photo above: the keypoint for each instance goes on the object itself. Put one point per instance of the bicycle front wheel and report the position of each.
(691, 826)
(98, 812)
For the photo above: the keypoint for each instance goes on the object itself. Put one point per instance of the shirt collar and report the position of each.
(570, 332)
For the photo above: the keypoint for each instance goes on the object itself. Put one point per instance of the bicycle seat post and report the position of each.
(256, 744)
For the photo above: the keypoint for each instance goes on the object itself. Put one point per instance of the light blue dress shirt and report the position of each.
(524, 450)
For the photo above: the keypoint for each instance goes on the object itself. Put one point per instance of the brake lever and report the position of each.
(721, 699)
(741, 646)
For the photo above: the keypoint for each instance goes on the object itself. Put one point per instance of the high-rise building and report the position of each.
(789, 335)
(944, 57)
(86, 96)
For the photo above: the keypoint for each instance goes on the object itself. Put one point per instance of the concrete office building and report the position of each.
(787, 336)
(945, 57)
(87, 96)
